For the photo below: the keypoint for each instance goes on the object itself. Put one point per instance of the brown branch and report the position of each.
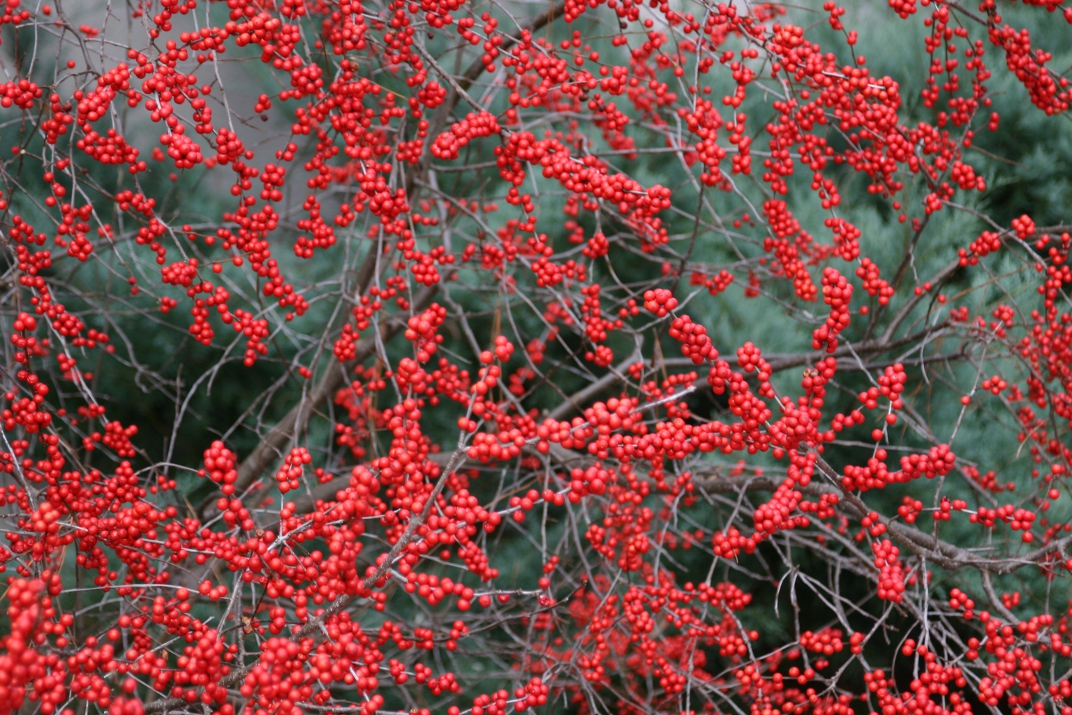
(778, 362)
(940, 278)
(943, 553)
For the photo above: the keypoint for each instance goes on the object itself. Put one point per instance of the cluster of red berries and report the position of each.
(659, 301)
(291, 471)
(477, 124)
(891, 578)
(695, 343)
(873, 283)
(837, 293)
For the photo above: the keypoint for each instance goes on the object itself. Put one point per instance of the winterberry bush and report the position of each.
(479, 357)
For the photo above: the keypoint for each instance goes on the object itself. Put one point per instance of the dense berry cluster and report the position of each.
(452, 449)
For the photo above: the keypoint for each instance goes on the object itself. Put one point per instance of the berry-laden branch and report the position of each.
(484, 357)
(333, 379)
(375, 579)
(272, 445)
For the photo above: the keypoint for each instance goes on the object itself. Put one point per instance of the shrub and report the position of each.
(590, 357)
